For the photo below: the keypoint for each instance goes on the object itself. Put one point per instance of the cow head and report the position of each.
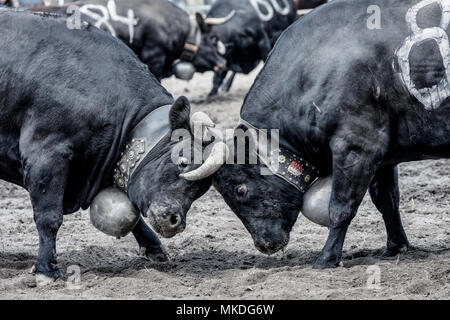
(168, 181)
(267, 205)
(211, 52)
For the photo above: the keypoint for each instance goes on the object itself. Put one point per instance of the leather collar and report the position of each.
(281, 162)
(142, 140)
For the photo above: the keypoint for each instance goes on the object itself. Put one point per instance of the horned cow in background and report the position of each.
(249, 30)
(160, 33)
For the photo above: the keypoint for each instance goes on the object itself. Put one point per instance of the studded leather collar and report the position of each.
(142, 139)
(281, 162)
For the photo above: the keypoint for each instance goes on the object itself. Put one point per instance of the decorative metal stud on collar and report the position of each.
(130, 158)
(281, 162)
(294, 170)
(142, 140)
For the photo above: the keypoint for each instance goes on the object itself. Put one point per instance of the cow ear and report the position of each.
(204, 28)
(179, 114)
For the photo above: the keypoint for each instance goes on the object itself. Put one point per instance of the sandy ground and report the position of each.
(215, 257)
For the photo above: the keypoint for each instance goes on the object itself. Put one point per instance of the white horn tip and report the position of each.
(218, 157)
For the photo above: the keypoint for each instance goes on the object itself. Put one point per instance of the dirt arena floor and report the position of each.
(215, 257)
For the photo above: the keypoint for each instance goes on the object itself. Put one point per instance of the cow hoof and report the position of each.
(394, 251)
(159, 255)
(159, 258)
(42, 280)
(321, 264)
(211, 97)
(39, 279)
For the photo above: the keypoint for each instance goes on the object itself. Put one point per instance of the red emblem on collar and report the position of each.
(295, 168)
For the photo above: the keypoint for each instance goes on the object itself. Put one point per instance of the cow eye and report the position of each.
(241, 191)
(183, 162)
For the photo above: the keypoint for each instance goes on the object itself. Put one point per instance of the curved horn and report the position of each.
(216, 159)
(216, 21)
(198, 121)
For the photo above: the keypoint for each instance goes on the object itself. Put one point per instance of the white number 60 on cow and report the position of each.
(283, 10)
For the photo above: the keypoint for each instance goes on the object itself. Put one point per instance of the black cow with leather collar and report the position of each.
(354, 99)
(159, 32)
(69, 101)
(249, 30)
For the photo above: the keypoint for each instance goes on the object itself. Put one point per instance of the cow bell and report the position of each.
(316, 202)
(113, 213)
(184, 70)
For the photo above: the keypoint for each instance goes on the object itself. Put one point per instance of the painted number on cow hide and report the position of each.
(265, 11)
(434, 96)
(105, 15)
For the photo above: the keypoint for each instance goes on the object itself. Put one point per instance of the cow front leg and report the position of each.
(352, 175)
(385, 194)
(149, 244)
(227, 85)
(45, 178)
(218, 79)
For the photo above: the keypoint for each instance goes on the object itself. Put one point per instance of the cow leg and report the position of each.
(45, 178)
(227, 85)
(217, 82)
(149, 244)
(352, 173)
(386, 197)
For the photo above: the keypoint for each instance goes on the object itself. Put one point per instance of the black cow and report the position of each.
(159, 32)
(71, 102)
(249, 30)
(28, 3)
(308, 4)
(353, 95)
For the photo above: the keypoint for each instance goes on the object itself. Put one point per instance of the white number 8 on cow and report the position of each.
(431, 97)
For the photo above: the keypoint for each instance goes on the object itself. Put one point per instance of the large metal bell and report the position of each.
(183, 70)
(316, 202)
(113, 213)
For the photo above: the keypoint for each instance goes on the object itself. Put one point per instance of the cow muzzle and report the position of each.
(165, 220)
(271, 247)
(269, 235)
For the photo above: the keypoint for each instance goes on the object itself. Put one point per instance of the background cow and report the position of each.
(158, 31)
(31, 3)
(249, 30)
(247, 38)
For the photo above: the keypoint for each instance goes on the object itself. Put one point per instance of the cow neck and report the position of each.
(142, 140)
(281, 162)
(192, 44)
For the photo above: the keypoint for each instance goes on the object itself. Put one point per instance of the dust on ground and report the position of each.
(215, 257)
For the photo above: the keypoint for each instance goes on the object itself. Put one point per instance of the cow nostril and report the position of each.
(174, 220)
